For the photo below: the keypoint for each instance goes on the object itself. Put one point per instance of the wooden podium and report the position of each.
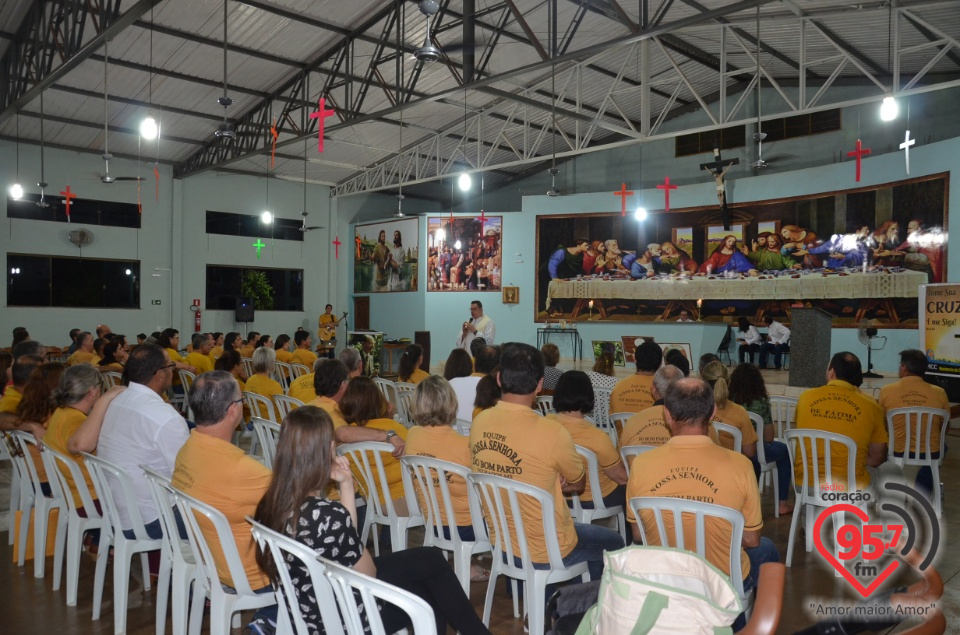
(810, 333)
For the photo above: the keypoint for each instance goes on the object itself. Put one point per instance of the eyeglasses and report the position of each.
(170, 365)
(240, 400)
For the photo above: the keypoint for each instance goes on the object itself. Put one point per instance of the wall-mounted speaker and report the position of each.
(244, 310)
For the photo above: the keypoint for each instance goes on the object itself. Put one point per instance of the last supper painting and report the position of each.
(857, 254)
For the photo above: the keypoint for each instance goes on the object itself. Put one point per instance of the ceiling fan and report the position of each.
(225, 130)
(760, 135)
(428, 52)
(43, 182)
(106, 156)
(304, 228)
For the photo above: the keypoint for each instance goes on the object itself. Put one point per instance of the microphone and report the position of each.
(471, 320)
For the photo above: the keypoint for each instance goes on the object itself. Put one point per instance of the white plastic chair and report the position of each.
(348, 584)
(601, 406)
(186, 380)
(677, 507)
(918, 424)
(224, 601)
(500, 498)
(247, 364)
(111, 378)
(462, 426)
(178, 570)
(103, 473)
(365, 456)
(630, 452)
(784, 413)
(431, 477)
(281, 548)
(43, 506)
(389, 391)
(283, 374)
(296, 370)
(267, 433)
(285, 404)
(72, 525)
(767, 470)
(257, 404)
(615, 424)
(544, 404)
(599, 511)
(815, 449)
(733, 431)
(18, 483)
(404, 392)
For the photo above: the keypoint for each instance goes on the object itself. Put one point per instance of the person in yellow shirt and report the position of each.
(649, 426)
(715, 374)
(841, 408)
(363, 405)
(410, 362)
(281, 345)
(264, 363)
(633, 394)
(302, 354)
(488, 394)
(246, 351)
(19, 376)
(230, 362)
(84, 353)
(200, 357)
(217, 349)
(35, 408)
(213, 470)
(913, 392)
(690, 466)
(170, 340)
(572, 399)
(512, 440)
(114, 357)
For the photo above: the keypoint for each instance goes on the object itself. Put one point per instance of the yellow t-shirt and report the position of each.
(303, 356)
(267, 387)
(647, 427)
(82, 357)
(592, 438)
(692, 467)
(443, 442)
(416, 377)
(391, 466)
(301, 388)
(283, 355)
(736, 416)
(10, 400)
(632, 394)
(840, 408)
(222, 475)
(330, 406)
(246, 351)
(913, 392)
(203, 363)
(115, 367)
(216, 352)
(513, 441)
(63, 423)
(176, 357)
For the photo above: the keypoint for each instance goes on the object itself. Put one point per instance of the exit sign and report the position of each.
(156, 302)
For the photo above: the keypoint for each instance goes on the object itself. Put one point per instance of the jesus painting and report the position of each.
(727, 258)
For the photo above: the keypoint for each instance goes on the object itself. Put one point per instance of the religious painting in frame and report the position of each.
(386, 256)
(855, 253)
(630, 343)
(683, 239)
(682, 347)
(511, 295)
(463, 253)
(608, 346)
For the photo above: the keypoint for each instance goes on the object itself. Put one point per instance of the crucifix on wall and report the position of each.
(719, 168)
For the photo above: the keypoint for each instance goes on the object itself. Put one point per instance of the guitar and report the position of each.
(328, 331)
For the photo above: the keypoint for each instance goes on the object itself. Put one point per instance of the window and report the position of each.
(227, 224)
(271, 289)
(697, 143)
(82, 210)
(72, 282)
(802, 125)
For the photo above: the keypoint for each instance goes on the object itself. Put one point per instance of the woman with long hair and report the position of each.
(263, 340)
(363, 405)
(37, 405)
(170, 340)
(716, 374)
(747, 388)
(458, 370)
(295, 505)
(410, 361)
(602, 375)
(114, 356)
(232, 341)
(488, 394)
(281, 347)
(749, 339)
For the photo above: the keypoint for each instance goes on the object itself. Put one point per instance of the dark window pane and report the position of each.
(28, 281)
(281, 289)
(227, 224)
(72, 282)
(85, 211)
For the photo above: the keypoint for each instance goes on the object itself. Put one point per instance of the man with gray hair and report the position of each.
(210, 468)
(648, 427)
(199, 357)
(351, 359)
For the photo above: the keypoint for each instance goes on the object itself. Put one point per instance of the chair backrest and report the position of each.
(733, 431)
(191, 510)
(164, 497)
(630, 452)
(351, 587)
(186, 379)
(431, 478)
(757, 422)
(111, 378)
(784, 412)
(389, 390)
(298, 370)
(259, 405)
(918, 434)
(616, 421)
(676, 508)
(285, 404)
(500, 498)
(268, 432)
(114, 485)
(815, 449)
(601, 406)
(24, 440)
(462, 426)
(544, 404)
(365, 456)
(247, 366)
(282, 549)
(405, 392)
(51, 459)
(593, 481)
(283, 374)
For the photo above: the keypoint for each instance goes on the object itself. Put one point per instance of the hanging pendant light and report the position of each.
(16, 190)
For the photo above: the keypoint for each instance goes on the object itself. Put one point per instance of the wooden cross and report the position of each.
(68, 196)
(666, 187)
(483, 219)
(623, 193)
(321, 114)
(859, 153)
(719, 168)
(359, 243)
(259, 245)
(905, 146)
(337, 243)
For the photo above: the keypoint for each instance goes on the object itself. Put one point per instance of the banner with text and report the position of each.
(940, 335)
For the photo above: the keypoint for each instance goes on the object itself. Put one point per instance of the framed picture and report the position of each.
(386, 256)
(464, 253)
(630, 344)
(683, 348)
(368, 344)
(511, 295)
(614, 348)
(683, 240)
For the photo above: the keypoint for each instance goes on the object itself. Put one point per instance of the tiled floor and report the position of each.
(30, 606)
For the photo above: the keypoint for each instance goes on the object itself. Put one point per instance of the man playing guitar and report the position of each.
(328, 328)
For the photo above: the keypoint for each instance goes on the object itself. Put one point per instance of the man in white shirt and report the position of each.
(479, 325)
(684, 316)
(140, 428)
(778, 337)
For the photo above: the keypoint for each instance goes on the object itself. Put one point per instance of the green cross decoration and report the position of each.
(259, 245)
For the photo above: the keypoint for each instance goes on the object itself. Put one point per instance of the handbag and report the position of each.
(661, 591)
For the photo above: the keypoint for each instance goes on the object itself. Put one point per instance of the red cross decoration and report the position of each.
(666, 187)
(483, 218)
(337, 243)
(623, 193)
(275, 135)
(859, 153)
(359, 242)
(68, 196)
(321, 114)
(156, 177)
